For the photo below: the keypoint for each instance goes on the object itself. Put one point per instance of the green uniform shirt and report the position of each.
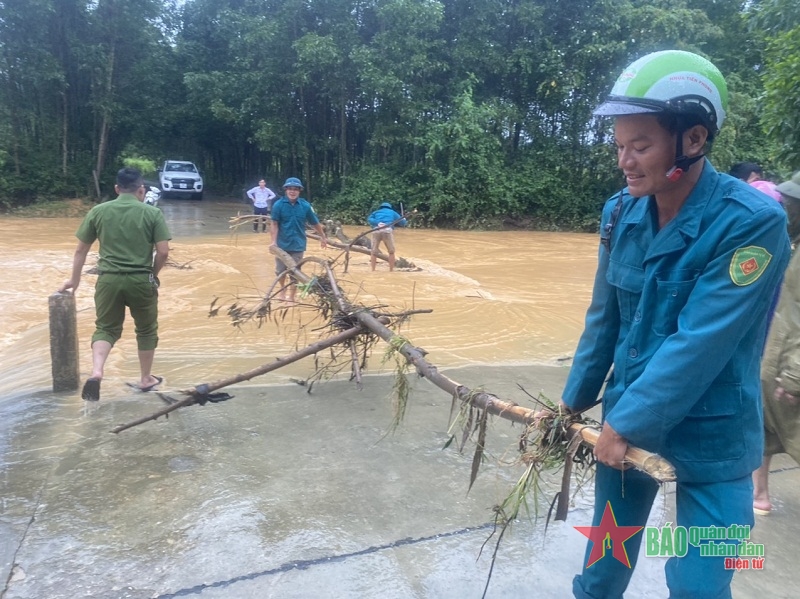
(127, 229)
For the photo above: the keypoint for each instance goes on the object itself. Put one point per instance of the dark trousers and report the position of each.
(264, 212)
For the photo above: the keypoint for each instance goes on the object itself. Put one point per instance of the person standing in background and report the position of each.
(752, 174)
(262, 197)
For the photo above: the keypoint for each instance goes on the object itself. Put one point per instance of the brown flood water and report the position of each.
(497, 297)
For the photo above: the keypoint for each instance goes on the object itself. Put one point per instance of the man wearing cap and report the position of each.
(688, 262)
(384, 219)
(290, 214)
(780, 367)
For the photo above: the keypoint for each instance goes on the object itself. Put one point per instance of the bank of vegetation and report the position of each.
(476, 112)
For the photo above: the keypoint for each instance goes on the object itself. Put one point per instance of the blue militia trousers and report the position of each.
(698, 504)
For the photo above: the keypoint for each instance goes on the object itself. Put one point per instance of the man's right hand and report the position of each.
(611, 448)
(68, 285)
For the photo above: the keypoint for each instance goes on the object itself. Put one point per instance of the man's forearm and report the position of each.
(158, 263)
(78, 260)
(273, 230)
(160, 258)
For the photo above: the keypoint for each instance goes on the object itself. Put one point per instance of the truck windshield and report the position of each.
(181, 168)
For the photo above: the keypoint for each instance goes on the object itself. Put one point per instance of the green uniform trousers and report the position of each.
(139, 293)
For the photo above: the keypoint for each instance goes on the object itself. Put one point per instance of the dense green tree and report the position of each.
(780, 20)
(479, 112)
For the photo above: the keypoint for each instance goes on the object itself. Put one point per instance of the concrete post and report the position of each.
(64, 342)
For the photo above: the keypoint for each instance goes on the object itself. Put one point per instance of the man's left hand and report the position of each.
(323, 242)
(611, 447)
(782, 395)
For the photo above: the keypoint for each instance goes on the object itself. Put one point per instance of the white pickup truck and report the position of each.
(180, 178)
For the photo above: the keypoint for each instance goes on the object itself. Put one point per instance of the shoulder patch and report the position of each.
(748, 264)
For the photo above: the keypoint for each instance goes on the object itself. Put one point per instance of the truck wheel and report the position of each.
(198, 196)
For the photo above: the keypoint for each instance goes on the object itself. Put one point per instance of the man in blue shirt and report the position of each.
(384, 219)
(290, 214)
(688, 263)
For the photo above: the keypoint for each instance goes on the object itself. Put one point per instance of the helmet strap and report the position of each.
(682, 162)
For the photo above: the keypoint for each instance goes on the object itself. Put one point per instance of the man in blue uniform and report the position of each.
(688, 263)
(288, 227)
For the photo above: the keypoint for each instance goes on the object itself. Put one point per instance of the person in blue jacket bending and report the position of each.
(689, 261)
(384, 219)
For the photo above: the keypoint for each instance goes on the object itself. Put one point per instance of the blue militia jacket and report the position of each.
(386, 215)
(681, 315)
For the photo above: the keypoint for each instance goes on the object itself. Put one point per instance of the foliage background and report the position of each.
(476, 112)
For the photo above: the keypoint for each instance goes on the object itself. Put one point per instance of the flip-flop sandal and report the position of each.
(159, 380)
(761, 512)
(91, 390)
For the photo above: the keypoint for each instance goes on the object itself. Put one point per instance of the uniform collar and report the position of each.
(681, 229)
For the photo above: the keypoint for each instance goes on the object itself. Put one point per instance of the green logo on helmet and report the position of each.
(671, 80)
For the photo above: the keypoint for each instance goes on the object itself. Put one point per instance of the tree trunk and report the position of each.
(105, 123)
(64, 132)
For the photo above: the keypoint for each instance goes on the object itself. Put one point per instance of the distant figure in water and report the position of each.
(384, 218)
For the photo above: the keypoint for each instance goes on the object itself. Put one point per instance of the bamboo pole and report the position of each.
(650, 463)
(362, 250)
(347, 247)
(197, 393)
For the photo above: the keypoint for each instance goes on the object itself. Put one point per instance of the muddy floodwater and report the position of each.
(496, 297)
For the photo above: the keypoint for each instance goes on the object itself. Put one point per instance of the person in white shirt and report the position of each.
(262, 197)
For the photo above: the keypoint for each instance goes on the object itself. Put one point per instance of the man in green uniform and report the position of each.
(128, 230)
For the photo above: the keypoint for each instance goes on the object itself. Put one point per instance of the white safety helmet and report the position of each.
(671, 81)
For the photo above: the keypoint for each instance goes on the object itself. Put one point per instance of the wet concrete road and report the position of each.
(278, 493)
